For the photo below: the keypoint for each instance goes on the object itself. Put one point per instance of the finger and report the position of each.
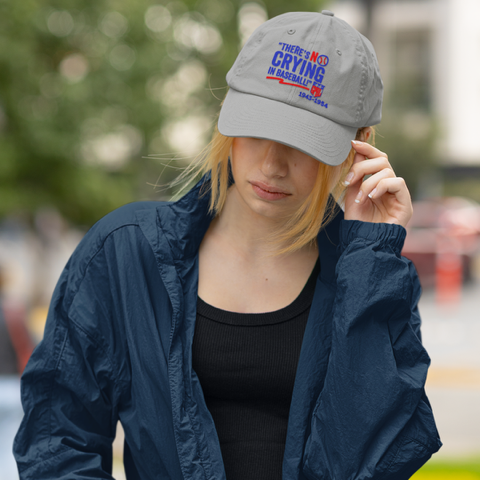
(370, 184)
(368, 150)
(367, 167)
(395, 186)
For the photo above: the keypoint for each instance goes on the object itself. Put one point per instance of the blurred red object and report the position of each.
(448, 269)
(15, 319)
(443, 237)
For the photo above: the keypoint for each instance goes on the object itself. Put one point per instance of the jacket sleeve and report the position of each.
(372, 419)
(69, 391)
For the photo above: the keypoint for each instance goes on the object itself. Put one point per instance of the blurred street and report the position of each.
(451, 335)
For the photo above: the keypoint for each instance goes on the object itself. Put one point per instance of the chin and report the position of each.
(272, 210)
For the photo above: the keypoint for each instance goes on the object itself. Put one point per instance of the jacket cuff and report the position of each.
(390, 233)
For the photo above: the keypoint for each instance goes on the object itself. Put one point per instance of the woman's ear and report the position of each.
(366, 134)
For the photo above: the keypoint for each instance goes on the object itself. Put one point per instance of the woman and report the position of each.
(150, 323)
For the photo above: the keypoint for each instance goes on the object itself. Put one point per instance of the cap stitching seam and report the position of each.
(363, 82)
(363, 74)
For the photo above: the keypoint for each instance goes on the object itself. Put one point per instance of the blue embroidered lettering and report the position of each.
(310, 71)
(275, 62)
(303, 67)
(296, 62)
(286, 61)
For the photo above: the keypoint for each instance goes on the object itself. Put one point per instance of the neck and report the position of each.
(246, 231)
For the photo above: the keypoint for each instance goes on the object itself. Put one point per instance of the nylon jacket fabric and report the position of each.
(117, 346)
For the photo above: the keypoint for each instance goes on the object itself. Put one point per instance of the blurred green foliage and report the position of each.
(466, 469)
(88, 88)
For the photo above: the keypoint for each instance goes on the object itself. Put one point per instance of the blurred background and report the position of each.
(102, 102)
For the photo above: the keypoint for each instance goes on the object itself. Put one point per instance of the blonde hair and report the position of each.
(301, 228)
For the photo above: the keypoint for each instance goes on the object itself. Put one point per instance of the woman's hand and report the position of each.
(383, 197)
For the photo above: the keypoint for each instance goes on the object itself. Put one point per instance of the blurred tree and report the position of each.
(88, 88)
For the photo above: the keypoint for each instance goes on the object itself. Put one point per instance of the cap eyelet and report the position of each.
(339, 52)
(291, 31)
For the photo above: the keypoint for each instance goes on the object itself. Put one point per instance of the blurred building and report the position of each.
(428, 52)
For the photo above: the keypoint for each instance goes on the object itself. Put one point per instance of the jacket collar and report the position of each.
(186, 221)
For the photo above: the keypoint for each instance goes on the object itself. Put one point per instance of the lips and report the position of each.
(270, 189)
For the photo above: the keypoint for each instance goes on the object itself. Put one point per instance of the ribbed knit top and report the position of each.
(246, 364)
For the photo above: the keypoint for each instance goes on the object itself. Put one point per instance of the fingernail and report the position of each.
(348, 178)
(355, 142)
(359, 196)
(372, 193)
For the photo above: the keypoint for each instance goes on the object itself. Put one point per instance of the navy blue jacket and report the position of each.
(118, 346)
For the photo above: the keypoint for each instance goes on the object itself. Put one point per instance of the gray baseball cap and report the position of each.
(307, 80)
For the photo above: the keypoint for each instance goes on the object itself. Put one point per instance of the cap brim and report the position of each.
(246, 115)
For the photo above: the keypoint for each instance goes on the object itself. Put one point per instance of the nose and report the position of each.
(275, 160)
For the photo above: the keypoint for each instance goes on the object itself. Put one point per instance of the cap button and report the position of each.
(328, 12)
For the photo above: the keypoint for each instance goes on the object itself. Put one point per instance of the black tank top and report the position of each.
(246, 364)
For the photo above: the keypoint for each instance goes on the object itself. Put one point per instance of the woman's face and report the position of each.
(271, 179)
